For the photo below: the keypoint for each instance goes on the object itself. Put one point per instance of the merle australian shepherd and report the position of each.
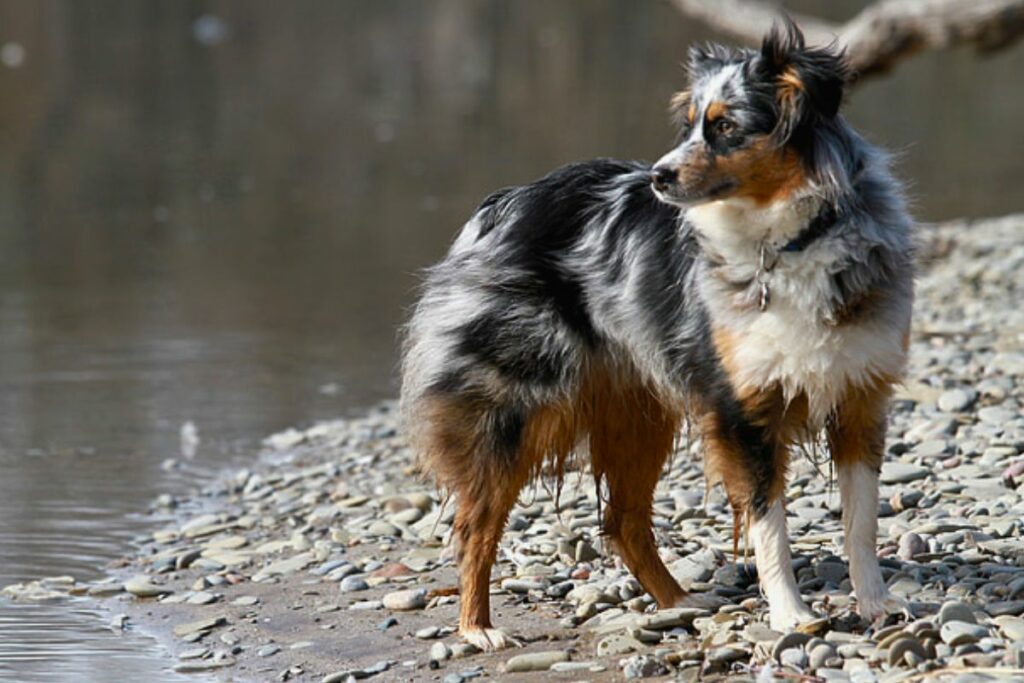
(756, 283)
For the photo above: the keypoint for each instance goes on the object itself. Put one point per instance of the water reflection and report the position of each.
(210, 210)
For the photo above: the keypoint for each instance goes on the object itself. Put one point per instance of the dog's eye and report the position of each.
(724, 127)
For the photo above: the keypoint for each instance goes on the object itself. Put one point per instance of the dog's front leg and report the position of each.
(857, 438)
(775, 569)
(752, 465)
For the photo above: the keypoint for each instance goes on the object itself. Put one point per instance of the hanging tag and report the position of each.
(765, 297)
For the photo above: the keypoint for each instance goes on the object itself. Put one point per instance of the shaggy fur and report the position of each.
(755, 282)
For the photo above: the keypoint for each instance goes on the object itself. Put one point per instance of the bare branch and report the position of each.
(884, 32)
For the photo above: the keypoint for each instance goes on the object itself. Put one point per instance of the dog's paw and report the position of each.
(489, 639)
(877, 609)
(796, 618)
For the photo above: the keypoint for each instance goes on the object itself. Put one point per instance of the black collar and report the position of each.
(816, 229)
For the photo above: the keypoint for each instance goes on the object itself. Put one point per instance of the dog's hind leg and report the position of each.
(479, 521)
(631, 437)
(485, 455)
(857, 438)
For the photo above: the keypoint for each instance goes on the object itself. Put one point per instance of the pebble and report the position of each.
(955, 633)
(268, 650)
(340, 504)
(794, 657)
(406, 599)
(141, 587)
(352, 584)
(535, 661)
(439, 652)
(956, 611)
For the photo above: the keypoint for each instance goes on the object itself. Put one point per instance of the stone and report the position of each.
(439, 652)
(671, 618)
(901, 473)
(955, 400)
(617, 644)
(268, 650)
(956, 611)
(192, 627)
(794, 657)
(535, 661)
(406, 599)
(790, 640)
(427, 633)
(833, 572)
(956, 633)
(351, 584)
(902, 647)
(820, 654)
(141, 587)
(911, 545)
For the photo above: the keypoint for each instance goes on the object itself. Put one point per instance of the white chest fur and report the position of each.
(792, 343)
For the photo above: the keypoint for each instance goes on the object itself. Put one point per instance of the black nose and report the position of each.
(663, 176)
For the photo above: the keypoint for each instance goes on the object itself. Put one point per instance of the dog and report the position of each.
(755, 283)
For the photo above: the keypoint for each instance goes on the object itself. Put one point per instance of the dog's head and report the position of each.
(747, 120)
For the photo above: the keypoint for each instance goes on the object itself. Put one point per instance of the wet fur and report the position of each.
(585, 313)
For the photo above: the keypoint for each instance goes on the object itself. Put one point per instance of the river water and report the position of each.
(212, 213)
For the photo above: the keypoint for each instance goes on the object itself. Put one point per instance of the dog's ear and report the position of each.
(681, 108)
(808, 81)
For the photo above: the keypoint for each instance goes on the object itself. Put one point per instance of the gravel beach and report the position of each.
(325, 560)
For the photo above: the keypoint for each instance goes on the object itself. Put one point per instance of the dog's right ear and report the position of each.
(808, 81)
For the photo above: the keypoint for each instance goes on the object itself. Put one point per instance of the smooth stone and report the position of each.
(201, 598)
(246, 600)
(904, 646)
(520, 586)
(910, 545)
(199, 666)
(1005, 608)
(820, 654)
(902, 473)
(617, 644)
(956, 611)
(427, 633)
(141, 587)
(351, 584)
(833, 572)
(955, 400)
(794, 657)
(955, 633)
(268, 650)
(439, 652)
(415, 598)
(535, 661)
(790, 640)
(1012, 627)
(183, 630)
(671, 618)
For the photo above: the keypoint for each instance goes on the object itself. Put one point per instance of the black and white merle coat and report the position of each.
(706, 297)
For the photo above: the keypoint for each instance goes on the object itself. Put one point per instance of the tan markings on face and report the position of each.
(760, 172)
(715, 110)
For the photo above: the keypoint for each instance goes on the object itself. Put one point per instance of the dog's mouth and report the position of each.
(679, 195)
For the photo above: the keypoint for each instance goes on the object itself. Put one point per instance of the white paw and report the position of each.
(792, 618)
(489, 639)
(871, 609)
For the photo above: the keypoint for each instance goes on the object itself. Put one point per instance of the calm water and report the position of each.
(212, 211)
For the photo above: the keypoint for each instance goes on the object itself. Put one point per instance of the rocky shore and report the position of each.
(326, 559)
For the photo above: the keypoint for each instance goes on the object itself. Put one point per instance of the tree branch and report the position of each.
(884, 32)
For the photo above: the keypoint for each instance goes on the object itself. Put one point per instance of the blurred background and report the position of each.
(212, 214)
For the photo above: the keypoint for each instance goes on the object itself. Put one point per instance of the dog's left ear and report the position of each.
(808, 81)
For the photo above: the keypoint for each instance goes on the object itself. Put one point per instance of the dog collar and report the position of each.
(817, 228)
(769, 256)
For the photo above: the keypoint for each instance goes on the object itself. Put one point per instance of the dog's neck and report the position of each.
(737, 231)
